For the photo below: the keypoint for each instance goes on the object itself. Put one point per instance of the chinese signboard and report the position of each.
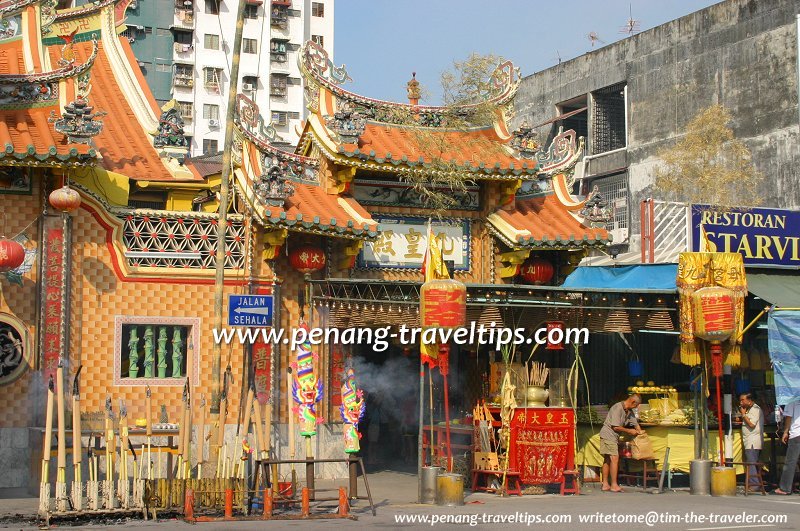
(763, 236)
(52, 336)
(403, 241)
(262, 351)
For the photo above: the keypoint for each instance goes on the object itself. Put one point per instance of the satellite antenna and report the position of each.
(632, 25)
(594, 37)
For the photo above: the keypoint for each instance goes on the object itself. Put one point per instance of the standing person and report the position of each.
(619, 416)
(752, 432)
(791, 438)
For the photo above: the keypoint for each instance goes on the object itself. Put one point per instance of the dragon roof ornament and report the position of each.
(596, 211)
(319, 71)
(561, 155)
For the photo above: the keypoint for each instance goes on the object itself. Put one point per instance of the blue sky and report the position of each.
(383, 41)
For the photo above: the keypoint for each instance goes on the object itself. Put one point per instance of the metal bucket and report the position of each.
(429, 475)
(450, 490)
(700, 477)
(723, 481)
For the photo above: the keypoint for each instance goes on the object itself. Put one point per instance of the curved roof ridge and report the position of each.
(66, 71)
(316, 66)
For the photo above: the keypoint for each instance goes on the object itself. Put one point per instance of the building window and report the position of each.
(249, 83)
(148, 30)
(156, 350)
(317, 9)
(278, 49)
(279, 117)
(211, 77)
(211, 41)
(279, 16)
(210, 112)
(162, 67)
(294, 115)
(249, 46)
(184, 76)
(614, 189)
(251, 11)
(186, 108)
(318, 39)
(209, 146)
(184, 37)
(212, 7)
(608, 125)
(277, 85)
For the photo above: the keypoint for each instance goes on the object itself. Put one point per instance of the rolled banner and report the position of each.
(352, 410)
(306, 388)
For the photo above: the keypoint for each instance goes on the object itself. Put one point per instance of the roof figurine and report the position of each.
(412, 87)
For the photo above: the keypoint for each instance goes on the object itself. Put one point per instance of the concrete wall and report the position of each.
(740, 53)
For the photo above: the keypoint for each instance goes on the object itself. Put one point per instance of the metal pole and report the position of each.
(420, 452)
(219, 279)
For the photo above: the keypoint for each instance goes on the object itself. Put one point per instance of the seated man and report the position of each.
(619, 416)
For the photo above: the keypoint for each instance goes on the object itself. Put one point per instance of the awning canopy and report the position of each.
(635, 278)
(781, 290)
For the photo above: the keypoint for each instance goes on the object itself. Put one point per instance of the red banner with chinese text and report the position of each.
(542, 444)
(262, 360)
(53, 311)
(337, 377)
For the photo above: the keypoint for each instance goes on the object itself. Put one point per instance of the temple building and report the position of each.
(119, 230)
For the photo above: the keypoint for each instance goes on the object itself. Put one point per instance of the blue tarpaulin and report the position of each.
(641, 277)
(784, 349)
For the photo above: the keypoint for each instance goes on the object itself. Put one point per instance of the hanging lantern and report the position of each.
(443, 304)
(537, 271)
(65, 199)
(12, 254)
(714, 311)
(555, 325)
(307, 259)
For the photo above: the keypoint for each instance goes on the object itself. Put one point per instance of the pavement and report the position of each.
(395, 496)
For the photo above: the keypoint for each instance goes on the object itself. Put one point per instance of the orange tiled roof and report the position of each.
(26, 133)
(544, 222)
(12, 59)
(123, 144)
(313, 209)
(476, 150)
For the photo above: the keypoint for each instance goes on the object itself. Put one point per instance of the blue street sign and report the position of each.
(250, 310)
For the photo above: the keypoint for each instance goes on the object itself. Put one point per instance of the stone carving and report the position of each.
(525, 141)
(78, 122)
(273, 187)
(177, 353)
(149, 352)
(170, 128)
(596, 210)
(162, 352)
(347, 122)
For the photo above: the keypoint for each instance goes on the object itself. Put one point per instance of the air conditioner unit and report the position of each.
(248, 86)
(213, 123)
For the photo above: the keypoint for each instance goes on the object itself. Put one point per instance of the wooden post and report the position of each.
(201, 438)
(77, 456)
(187, 442)
(149, 433)
(61, 485)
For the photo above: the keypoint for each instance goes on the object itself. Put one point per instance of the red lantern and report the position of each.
(443, 304)
(65, 199)
(307, 259)
(537, 271)
(12, 254)
(555, 325)
(714, 311)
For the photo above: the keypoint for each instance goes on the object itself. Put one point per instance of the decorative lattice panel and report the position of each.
(161, 240)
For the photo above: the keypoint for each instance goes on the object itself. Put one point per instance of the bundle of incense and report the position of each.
(181, 432)
(257, 427)
(245, 429)
(77, 486)
(61, 481)
(290, 412)
(221, 448)
(201, 438)
(122, 487)
(267, 428)
(149, 418)
(110, 449)
(44, 485)
(187, 433)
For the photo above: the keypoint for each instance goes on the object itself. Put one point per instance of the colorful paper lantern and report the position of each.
(537, 271)
(714, 310)
(307, 259)
(443, 304)
(12, 254)
(553, 325)
(65, 199)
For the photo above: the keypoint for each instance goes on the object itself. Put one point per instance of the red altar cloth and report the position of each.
(542, 444)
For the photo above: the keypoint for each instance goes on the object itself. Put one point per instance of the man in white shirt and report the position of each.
(791, 437)
(752, 432)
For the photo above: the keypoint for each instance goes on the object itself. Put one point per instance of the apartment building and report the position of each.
(185, 49)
